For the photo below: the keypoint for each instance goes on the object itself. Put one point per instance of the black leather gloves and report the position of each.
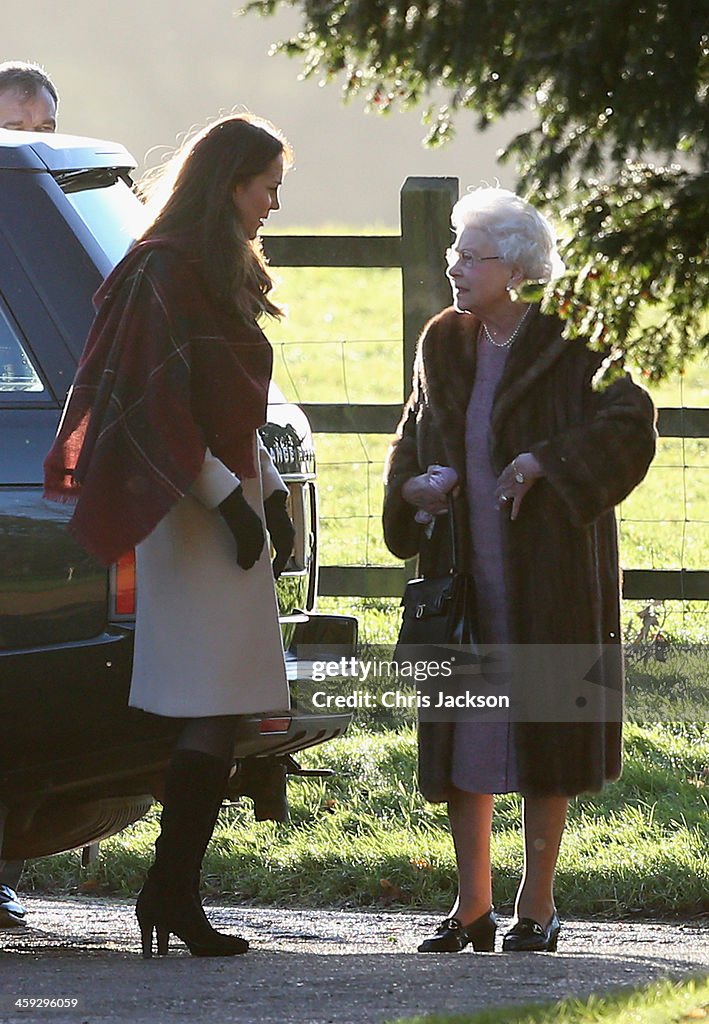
(281, 529)
(246, 528)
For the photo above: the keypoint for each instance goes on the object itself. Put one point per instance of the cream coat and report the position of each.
(207, 640)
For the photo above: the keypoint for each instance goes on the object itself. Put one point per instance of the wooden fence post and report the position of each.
(425, 234)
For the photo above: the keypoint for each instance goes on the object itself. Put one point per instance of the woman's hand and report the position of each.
(429, 491)
(280, 528)
(246, 528)
(515, 480)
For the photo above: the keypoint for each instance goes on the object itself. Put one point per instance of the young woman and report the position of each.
(159, 448)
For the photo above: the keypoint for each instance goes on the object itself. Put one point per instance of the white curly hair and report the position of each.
(523, 236)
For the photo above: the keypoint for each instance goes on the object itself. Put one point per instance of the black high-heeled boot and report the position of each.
(168, 903)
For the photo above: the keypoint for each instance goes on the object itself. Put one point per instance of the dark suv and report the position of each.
(76, 764)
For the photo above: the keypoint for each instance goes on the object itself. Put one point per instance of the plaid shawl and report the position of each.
(164, 375)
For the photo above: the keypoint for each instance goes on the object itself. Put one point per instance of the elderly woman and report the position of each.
(544, 438)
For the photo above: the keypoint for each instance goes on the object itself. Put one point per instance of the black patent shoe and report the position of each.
(451, 936)
(528, 936)
(12, 913)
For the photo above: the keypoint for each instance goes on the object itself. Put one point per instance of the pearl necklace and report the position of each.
(506, 344)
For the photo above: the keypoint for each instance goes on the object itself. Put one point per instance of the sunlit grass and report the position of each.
(660, 1003)
(366, 836)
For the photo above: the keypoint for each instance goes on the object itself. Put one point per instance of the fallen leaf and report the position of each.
(390, 892)
(420, 863)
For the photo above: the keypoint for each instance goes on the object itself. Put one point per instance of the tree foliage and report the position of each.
(618, 150)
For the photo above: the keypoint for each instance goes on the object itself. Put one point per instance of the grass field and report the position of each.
(366, 837)
(665, 1002)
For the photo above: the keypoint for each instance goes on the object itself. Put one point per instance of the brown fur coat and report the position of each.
(593, 432)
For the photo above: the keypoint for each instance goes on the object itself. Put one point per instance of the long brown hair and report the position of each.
(191, 200)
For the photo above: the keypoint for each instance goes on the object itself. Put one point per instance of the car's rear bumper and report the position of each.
(107, 740)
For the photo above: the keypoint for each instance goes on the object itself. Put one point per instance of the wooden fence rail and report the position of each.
(418, 250)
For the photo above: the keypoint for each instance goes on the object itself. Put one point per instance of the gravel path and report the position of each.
(312, 967)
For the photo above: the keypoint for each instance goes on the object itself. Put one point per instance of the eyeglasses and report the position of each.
(466, 258)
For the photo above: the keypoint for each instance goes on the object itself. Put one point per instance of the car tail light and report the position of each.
(124, 585)
(275, 724)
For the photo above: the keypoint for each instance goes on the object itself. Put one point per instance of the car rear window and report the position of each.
(17, 372)
(112, 213)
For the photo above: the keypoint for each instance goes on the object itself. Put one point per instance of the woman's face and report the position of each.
(255, 198)
(478, 276)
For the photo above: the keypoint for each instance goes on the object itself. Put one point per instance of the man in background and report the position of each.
(28, 103)
(28, 98)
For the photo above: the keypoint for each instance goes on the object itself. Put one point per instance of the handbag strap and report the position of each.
(454, 539)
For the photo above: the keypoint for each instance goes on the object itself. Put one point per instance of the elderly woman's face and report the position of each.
(478, 276)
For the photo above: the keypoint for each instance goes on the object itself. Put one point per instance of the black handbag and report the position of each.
(438, 611)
